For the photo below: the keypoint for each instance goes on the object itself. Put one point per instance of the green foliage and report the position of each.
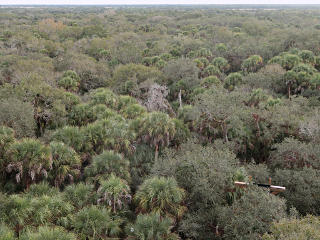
(133, 111)
(96, 223)
(70, 81)
(79, 195)
(105, 164)
(211, 70)
(114, 103)
(181, 74)
(302, 188)
(221, 48)
(307, 56)
(151, 227)
(141, 162)
(251, 215)
(162, 196)
(114, 192)
(252, 64)
(294, 229)
(104, 96)
(156, 129)
(128, 78)
(6, 139)
(221, 63)
(232, 80)
(41, 189)
(71, 136)
(293, 154)
(56, 233)
(11, 111)
(206, 174)
(182, 132)
(210, 81)
(22, 212)
(6, 233)
(28, 160)
(82, 114)
(65, 163)
(201, 63)
(290, 61)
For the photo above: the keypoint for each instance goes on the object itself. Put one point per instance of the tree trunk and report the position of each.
(225, 131)
(289, 91)
(156, 153)
(180, 101)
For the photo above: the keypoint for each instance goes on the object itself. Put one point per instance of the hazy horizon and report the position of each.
(156, 2)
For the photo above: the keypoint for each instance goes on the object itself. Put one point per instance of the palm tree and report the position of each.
(162, 196)
(41, 189)
(156, 129)
(66, 163)
(6, 139)
(133, 111)
(81, 115)
(106, 163)
(151, 227)
(109, 134)
(252, 64)
(96, 134)
(48, 209)
(211, 70)
(96, 222)
(17, 210)
(6, 233)
(29, 159)
(44, 232)
(221, 63)
(71, 136)
(120, 136)
(70, 81)
(79, 195)
(115, 191)
(104, 96)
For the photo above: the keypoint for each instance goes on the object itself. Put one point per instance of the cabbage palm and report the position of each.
(156, 129)
(133, 111)
(47, 233)
(82, 114)
(6, 233)
(115, 191)
(71, 136)
(104, 96)
(211, 70)
(95, 134)
(221, 63)
(106, 163)
(17, 211)
(96, 223)
(252, 64)
(162, 196)
(120, 136)
(151, 227)
(79, 194)
(41, 189)
(6, 139)
(29, 159)
(66, 163)
(48, 209)
(70, 81)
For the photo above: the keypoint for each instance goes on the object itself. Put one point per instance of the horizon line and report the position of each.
(117, 4)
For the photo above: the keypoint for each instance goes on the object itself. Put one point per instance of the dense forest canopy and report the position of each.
(135, 122)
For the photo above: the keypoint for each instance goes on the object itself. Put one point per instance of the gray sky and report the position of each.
(159, 2)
